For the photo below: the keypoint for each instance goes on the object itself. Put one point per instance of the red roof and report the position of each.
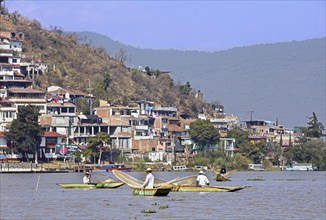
(52, 134)
(175, 128)
(82, 146)
(22, 90)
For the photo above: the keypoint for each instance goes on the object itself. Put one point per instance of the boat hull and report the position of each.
(221, 178)
(109, 185)
(181, 188)
(299, 167)
(151, 192)
(100, 185)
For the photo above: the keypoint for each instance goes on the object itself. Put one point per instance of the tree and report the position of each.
(203, 133)
(253, 151)
(121, 56)
(315, 128)
(25, 133)
(148, 71)
(106, 81)
(240, 136)
(312, 151)
(186, 89)
(100, 140)
(82, 106)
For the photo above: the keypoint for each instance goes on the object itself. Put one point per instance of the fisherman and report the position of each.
(149, 181)
(202, 180)
(223, 170)
(87, 178)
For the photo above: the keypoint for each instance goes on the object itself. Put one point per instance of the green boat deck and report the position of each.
(98, 185)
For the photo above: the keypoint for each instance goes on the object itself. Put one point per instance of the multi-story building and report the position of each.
(15, 89)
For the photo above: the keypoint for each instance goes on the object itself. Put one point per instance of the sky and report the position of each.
(182, 25)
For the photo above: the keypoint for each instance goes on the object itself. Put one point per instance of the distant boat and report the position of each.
(110, 167)
(199, 167)
(256, 167)
(220, 177)
(299, 167)
(179, 168)
(224, 177)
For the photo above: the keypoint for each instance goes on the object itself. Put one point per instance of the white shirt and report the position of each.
(149, 181)
(86, 179)
(202, 180)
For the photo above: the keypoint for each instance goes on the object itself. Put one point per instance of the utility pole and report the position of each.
(2, 10)
(250, 114)
(90, 89)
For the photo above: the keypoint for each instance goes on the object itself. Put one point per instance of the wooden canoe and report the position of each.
(162, 191)
(191, 188)
(98, 185)
(224, 177)
(109, 184)
(221, 177)
(77, 185)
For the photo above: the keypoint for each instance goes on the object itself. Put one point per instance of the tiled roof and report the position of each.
(175, 128)
(118, 122)
(70, 91)
(22, 90)
(52, 134)
(67, 104)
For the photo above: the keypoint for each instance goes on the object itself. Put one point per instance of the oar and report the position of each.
(211, 169)
(100, 174)
(38, 181)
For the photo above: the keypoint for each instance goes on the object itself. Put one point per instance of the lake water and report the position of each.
(271, 195)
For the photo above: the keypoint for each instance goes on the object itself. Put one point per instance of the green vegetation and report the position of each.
(305, 150)
(97, 144)
(315, 128)
(310, 148)
(203, 133)
(216, 159)
(312, 151)
(240, 136)
(24, 135)
(253, 151)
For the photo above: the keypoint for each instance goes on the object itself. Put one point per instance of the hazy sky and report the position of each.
(184, 25)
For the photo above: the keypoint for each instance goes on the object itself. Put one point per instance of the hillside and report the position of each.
(284, 81)
(90, 69)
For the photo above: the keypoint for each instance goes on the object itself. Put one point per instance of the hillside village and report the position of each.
(141, 128)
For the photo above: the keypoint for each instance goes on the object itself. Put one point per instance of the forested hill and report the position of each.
(284, 81)
(91, 69)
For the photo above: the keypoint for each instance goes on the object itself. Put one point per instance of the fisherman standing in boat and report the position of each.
(223, 170)
(202, 180)
(149, 181)
(87, 178)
